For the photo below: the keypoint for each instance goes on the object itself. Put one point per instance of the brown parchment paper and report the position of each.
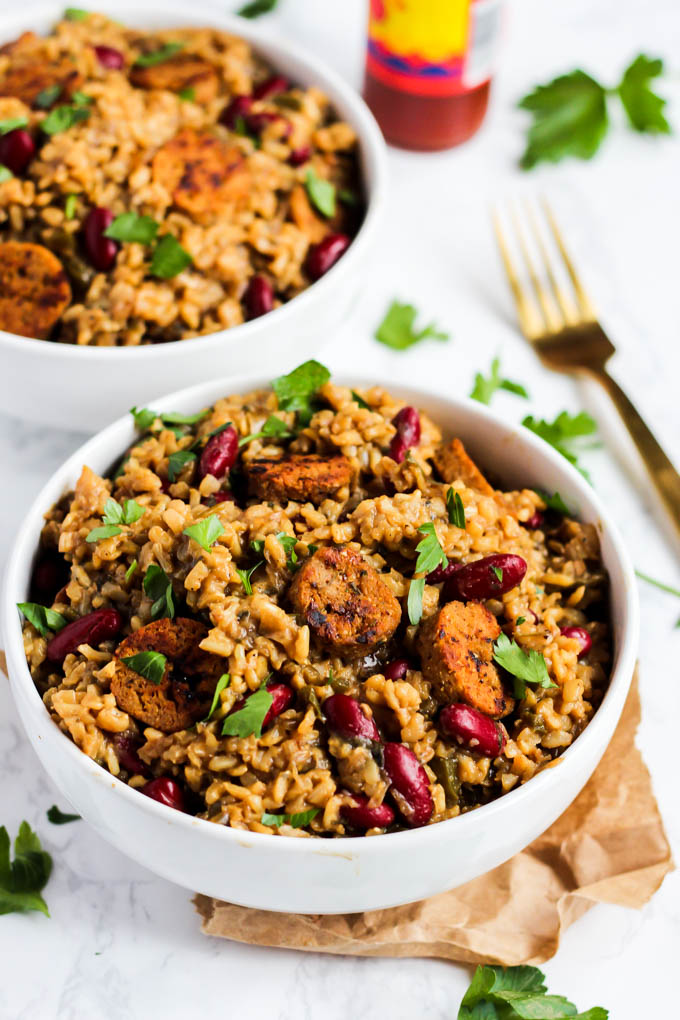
(609, 846)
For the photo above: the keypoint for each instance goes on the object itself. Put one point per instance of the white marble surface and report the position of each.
(123, 944)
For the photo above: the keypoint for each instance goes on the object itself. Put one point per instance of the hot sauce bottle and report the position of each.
(428, 68)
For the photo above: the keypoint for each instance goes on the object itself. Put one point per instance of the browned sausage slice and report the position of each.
(34, 289)
(345, 602)
(25, 41)
(202, 173)
(26, 79)
(453, 463)
(190, 677)
(181, 71)
(456, 649)
(305, 477)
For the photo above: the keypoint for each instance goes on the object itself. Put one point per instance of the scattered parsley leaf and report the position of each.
(5, 173)
(397, 330)
(289, 542)
(150, 665)
(358, 399)
(257, 545)
(158, 586)
(187, 95)
(130, 226)
(297, 820)
(61, 118)
(222, 684)
(520, 994)
(414, 604)
(430, 555)
(526, 667)
(58, 817)
(70, 206)
(569, 119)
(177, 461)
(75, 14)
(485, 386)
(564, 433)
(127, 513)
(12, 124)
(643, 107)
(257, 8)
(177, 418)
(23, 879)
(348, 196)
(205, 532)
(498, 571)
(48, 96)
(144, 417)
(107, 531)
(249, 719)
(169, 258)
(272, 427)
(158, 56)
(554, 502)
(455, 508)
(245, 576)
(296, 390)
(658, 584)
(81, 99)
(43, 619)
(321, 193)
(131, 569)
(520, 620)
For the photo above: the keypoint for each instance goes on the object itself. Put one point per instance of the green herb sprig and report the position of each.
(257, 8)
(321, 193)
(564, 434)
(205, 532)
(23, 879)
(525, 667)
(245, 576)
(296, 390)
(518, 993)
(58, 817)
(455, 508)
(397, 329)
(12, 124)
(273, 428)
(660, 585)
(46, 621)
(150, 665)
(296, 820)
(430, 555)
(249, 719)
(158, 56)
(222, 684)
(158, 586)
(485, 386)
(114, 515)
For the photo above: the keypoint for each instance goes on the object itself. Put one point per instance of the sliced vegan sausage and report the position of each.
(181, 71)
(188, 683)
(306, 477)
(26, 79)
(456, 649)
(24, 41)
(345, 602)
(453, 463)
(304, 216)
(34, 289)
(203, 173)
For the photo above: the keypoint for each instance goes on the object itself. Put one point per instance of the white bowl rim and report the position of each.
(195, 397)
(371, 144)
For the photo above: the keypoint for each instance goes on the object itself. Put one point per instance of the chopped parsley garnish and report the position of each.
(564, 433)
(249, 719)
(296, 390)
(273, 427)
(115, 515)
(70, 206)
(397, 330)
(520, 620)
(131, 569)
(44, 620)
(656, 584)
(187, 95)
(130, 226)
(205, 532)
(145, 417)
(61, 118)
(430, 555)
(498, 571)
(245, 576)
(643, 107)
(169, 258)
(348, 196)
(455, 508)
(5, 173)
(297, 820)
(150, 665)
(48, 96)
(517, 993)
(222, 684)
(485, 386)
(554, 502)
(81, 99)
(177, 462)
(158, 56)
(23, 879)
(257, 8)
(75, 14)
(12, 124)
(106, 531)
(158, 586)
(321, 193)
(525, 667)
(289, 542)
(177, 418)
(257, 545)
(358, 399)
(58, 817)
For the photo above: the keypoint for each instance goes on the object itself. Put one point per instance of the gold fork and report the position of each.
(564, 331)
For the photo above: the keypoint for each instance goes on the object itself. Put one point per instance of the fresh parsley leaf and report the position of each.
(554, 502)
(519, 992)
(107, 531)
(455, 508)
(430, 555)
(48, 96)
(570, 119)
(257, 7)
(498, 571)
(222, 684)
(61, 118)
(169, 258)
(43, 619)
(296, 390)
(297, 820)
(520, 620)
(289, 542)
(650, 580)
(158, 586)
(130, 226)
(177, 418)
(131, 569)
(358, 399)
(81, 99)
(257, 545)
(643, 107)
(23, 879)
(205, 532)
(321, 193)
(526, 667)
(58, 817)
(5, 173)
(144, 417)
(158, 56)
(249, 719)
(485, 386)
(132, 511)
(414, 603)
(70, 206)
(348, 196)
(127, 513)
(177, 461)
(245, 576)
(12, 124)
(273, 427)
(75, 14)
(187, 95)
(150, 665)
(397, 330)
(564, 433)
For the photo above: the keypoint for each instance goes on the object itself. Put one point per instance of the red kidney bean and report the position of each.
(277, 83)
(238, 107)
(92, 629)
(325, 254)
(410, 785)
(281, 699)
(345, 718)
(17, 149)
(165, 791)
(407, 424)
(126, 746)
(360, 816)
(473, 728)
(50, 574)
(257, 122)
(479, 580)
(397, 669)
(219, 453)
(101, 250)
(109, 58)
(535, 521)
(223, 496)
(258, 297)
(299, 156)
(579, 634)
(443, 573)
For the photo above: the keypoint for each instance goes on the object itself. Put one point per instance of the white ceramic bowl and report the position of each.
(84, 388)
(335, 875)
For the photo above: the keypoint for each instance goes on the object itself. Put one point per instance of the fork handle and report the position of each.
(664, 476)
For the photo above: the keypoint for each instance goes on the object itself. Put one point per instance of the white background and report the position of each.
(123, 944)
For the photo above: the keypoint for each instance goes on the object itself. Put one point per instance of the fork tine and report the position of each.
(527, 312)
(584, 303)
(565, 304)
(551, 317)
